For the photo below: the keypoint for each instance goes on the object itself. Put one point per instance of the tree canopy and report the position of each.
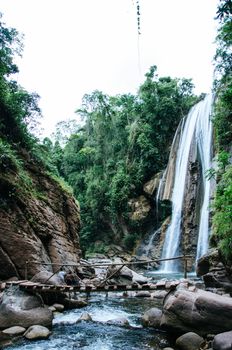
(125, 139)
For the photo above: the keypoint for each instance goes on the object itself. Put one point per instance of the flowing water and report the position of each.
(97, 335)
(204, 135)
(198, 125)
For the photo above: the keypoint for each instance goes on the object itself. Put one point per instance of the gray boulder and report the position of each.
(200, 311)
(47, 277)
(58, 307)
(223, 341)
(74, 303)
(152, 318)
(37, 332)
(121, 321)
(14, 331)
(20, 309)
(189, 341)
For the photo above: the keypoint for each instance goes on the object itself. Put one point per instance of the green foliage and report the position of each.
(129, 240)
(8, 158)
(18, 109)
(124, 140)
(17, 181)
(222, 219)
(223, 113)
(62, 183)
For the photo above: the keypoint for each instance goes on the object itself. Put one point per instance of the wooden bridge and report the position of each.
(103, 286)
(45, 288)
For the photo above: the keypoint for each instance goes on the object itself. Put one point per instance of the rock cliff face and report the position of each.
(38, 226)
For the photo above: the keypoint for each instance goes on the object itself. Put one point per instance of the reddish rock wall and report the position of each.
(39, 227)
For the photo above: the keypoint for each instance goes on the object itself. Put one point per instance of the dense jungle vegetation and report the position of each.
(123, 141)
(222, 216)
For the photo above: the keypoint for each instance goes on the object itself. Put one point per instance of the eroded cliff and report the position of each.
(39, 220)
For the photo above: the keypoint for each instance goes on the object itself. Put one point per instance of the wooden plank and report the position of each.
(15, 283)
(28, 283)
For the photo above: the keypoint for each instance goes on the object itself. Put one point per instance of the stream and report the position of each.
(96, 335)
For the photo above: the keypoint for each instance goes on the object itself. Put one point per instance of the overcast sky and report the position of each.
(72, 47)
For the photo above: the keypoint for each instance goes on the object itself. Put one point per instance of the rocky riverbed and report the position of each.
(177, 313)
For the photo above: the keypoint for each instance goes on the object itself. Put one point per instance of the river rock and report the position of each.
(143, 294)
(37, 332)
(5, 340)
(159, 294)
(139, 278)
(14, 331)
(85, 317)
(52, 308)
(58, 307)
(189, 341)
(21, 309)
(152, 318)
(223, 341)
(200, 311)
(126, 273)
(121, 321)
(74, 303)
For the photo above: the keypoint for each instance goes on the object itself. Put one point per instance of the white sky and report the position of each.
(72, 47)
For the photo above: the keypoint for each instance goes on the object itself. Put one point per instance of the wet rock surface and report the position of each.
(37, 332)
(214, 272)
(152, 318)
(20, 309)
(189, 341)
(223, 341)
(199, 311)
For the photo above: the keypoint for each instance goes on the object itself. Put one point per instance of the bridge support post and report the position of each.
(185, 267)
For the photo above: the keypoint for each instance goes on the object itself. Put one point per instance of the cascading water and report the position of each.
(197, 125)
(204, 135)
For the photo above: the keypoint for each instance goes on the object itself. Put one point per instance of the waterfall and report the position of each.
(147, 248)
(204, 141)
(196, 125)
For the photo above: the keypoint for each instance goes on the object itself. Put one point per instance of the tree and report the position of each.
(124, 140)
(18, 108)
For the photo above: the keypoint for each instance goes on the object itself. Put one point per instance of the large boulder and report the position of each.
(198, 311)
(214, 272)
(47, 277)
(189, 341)
(223, 341)
(20, 309)
(152, 318)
